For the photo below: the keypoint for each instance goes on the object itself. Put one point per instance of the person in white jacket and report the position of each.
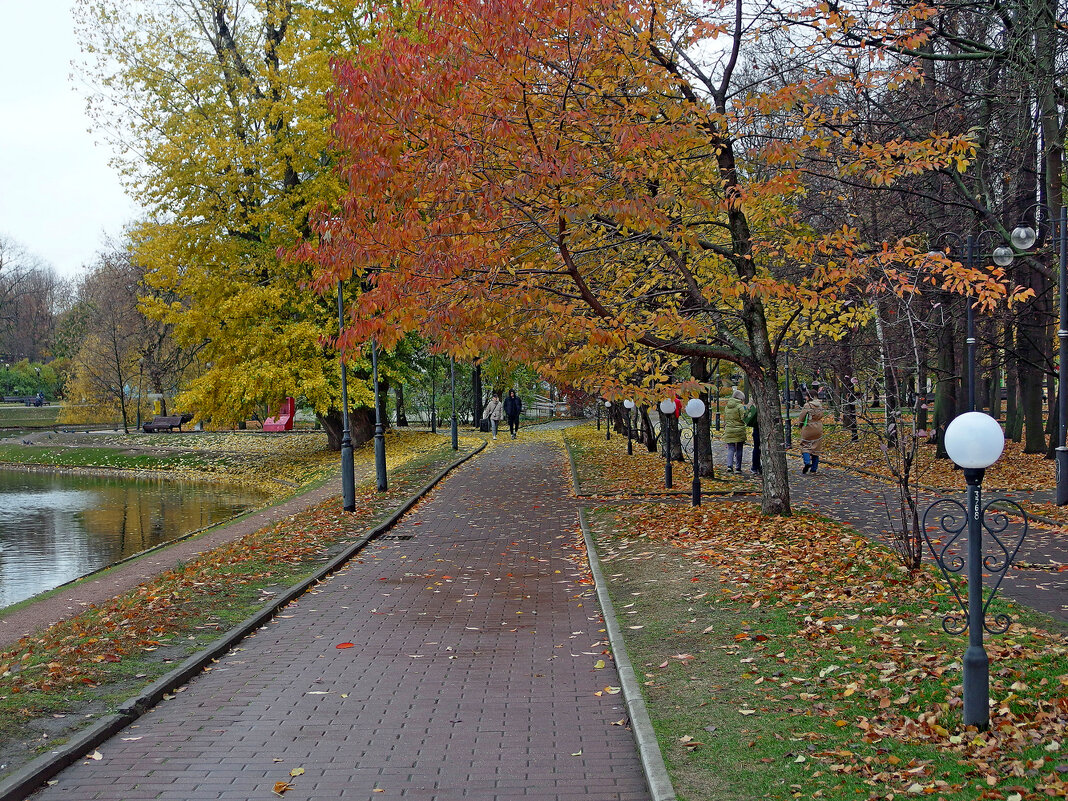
(494, 413)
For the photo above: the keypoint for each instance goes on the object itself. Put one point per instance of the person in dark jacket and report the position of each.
(513, 406)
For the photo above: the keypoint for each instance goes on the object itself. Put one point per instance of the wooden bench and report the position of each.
(167, 422)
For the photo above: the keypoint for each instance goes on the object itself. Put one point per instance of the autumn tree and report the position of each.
(598, 176)
(219, 112)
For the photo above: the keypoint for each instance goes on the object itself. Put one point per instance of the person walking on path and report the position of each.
(513, 407)
(810, 421)
(734, 430)
(494, 413)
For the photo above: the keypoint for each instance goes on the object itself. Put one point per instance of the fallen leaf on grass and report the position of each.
(747, 711)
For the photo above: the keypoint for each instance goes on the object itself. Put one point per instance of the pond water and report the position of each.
(56, 528)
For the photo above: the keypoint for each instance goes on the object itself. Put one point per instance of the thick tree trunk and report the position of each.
(361, 426)
(648, 438)
(1013, 418)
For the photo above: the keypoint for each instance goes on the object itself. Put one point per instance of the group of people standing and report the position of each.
(739, 415)
(496, 410)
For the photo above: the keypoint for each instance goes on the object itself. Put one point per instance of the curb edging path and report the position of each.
(25, 781)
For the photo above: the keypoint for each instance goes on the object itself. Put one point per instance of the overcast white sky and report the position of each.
(58, 196)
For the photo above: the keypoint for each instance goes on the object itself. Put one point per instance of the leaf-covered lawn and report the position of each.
(793, 657)
(605, 467)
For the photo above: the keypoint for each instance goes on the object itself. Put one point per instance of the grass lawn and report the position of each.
(19, 416)
(793, 658)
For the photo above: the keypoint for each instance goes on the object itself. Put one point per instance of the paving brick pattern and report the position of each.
(472, 674)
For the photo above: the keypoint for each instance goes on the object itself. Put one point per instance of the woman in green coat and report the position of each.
(734, 430)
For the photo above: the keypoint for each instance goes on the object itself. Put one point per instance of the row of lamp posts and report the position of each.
(695, 408)
(348, 473)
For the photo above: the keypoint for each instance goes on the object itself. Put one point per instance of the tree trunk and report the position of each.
(648, 437)
(361, 426)
(402, 415)
(476, 395)
(383, 397)
(703, 424)
(1013, 419)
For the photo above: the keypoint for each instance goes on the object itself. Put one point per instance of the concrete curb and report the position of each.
(20, 784)
(656, 775)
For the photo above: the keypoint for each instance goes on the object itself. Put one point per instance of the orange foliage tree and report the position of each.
(574, 183)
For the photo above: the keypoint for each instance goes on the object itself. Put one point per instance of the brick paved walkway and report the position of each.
(472, 677)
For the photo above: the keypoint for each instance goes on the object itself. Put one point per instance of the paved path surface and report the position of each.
(861, 502)
(472, 674)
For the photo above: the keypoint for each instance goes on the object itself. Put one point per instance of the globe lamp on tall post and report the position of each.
(628, 404)
(667, 406)
(608, 419)
(695, 407)
(974, 441)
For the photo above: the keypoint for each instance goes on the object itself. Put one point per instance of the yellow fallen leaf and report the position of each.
(297, 772)
(747, 711)
(598, 664)
(96, 755)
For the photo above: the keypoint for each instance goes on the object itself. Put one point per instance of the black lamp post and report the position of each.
(452, 380)
(348, 474)
(629, 406)
(667, 406)
(695, 407)
(974, 441)
(380, 436)
(608, 419)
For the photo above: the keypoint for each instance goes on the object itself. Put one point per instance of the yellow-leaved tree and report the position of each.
(219, 111)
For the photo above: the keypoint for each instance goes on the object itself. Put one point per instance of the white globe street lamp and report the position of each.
(974, 441)
(667, 407)
(628, 404)
(695, 408)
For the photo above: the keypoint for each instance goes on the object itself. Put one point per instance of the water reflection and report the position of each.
(55, 528)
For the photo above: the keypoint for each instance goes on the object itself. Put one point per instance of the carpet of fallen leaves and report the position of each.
(605, 468)
(866, 643)
(1015, 470)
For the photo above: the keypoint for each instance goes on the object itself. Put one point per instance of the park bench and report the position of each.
(26, 400)
(167, 422)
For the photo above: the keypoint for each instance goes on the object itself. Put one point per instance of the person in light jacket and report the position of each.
(734, 430)
(494, 413)
(513, 407)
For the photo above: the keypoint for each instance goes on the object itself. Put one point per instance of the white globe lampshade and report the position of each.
(628, 403)
(695, 407)
(974, 440)
(608, 403)
(1023, 237)
(667, 406)
(1002, 256)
